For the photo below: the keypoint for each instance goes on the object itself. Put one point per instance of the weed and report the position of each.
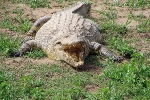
(122, 46)
(35, 54)
(137, 3)
(31, 88)
(33, 3)
(8, 45)
(70, 1)
(111, 27)
(24, 24)
(70, 86)
(7, 90)
(115, 2)
(130, 80)
(111, 14)
(17, 11)
(38, 3)
(144, 23)
(138, 17)
(18, 24)
(25, 88)
(60, 1)
(131, 3)
(143, 26)
(6, 23)
(62, 83)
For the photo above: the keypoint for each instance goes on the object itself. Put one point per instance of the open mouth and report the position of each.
(75, 51)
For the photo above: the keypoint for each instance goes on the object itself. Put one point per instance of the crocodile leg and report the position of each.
(31, 44)
(37, 25)
(108, 53)
(103, 50)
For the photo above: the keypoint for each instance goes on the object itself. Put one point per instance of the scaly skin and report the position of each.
(79, 7)
(67, 36)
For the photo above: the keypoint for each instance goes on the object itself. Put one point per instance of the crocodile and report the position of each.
(66, 35)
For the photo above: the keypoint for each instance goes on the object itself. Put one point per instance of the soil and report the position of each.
(123, 12)
(141, 44)
(92, 88)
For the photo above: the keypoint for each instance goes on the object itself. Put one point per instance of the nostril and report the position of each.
(58, 42)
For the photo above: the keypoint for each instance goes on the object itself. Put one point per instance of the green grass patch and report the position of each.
(144, 23)
(17, 24)
(108, 23)
(50, 82)
(35, 54)
(144, 26)
(115, 32)
(7, 23)
(143, 4)
(24, 88)
(118, 81)
(121, 45)
(109, 14)
(111, 27)
(34, 3)
(61, 1)
(127, 81)
(39, 3)
(8, 44)
(22, 25)
(5, 86)
(138, 17)
(115, 2)
(137, 3)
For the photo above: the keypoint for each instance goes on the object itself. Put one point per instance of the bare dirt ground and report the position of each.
(34, 14)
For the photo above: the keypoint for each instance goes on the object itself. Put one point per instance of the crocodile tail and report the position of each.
(80, 8)
(37, 25)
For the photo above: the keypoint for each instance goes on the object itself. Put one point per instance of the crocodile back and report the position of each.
(64, 25)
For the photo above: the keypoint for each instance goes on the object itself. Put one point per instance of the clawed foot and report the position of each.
(118, 59)
(16, 54)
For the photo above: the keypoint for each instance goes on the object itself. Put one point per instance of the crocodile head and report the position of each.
(72, 51)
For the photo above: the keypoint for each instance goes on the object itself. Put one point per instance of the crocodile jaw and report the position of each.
(74, 54)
